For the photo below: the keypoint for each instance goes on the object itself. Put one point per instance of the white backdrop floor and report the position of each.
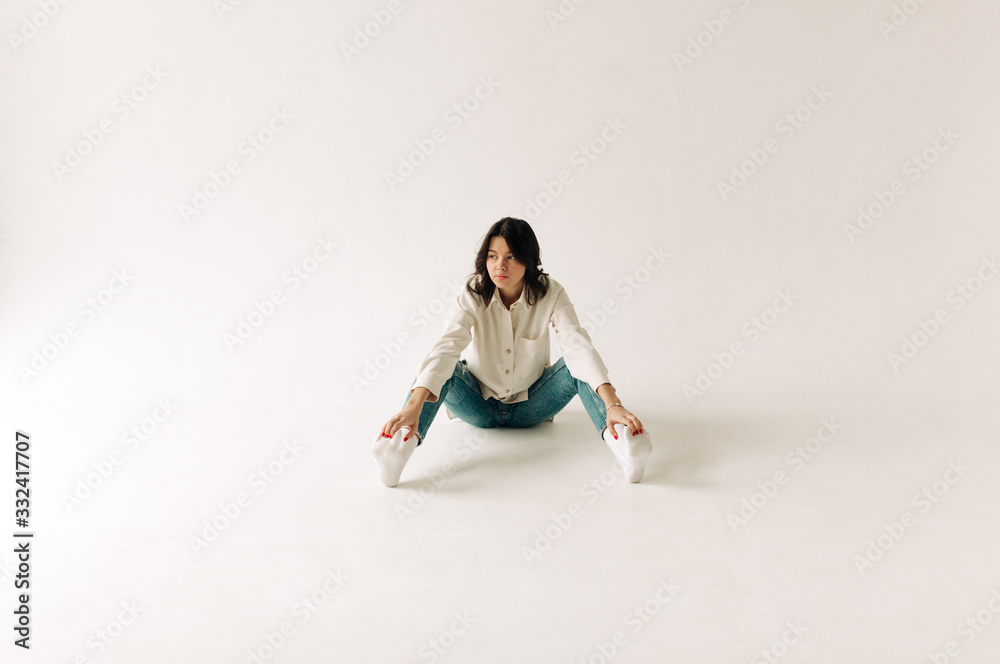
(245, 534)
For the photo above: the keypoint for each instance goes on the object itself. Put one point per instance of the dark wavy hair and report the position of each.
(523, 244)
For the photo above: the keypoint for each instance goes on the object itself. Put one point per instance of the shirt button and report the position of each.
(507, 371)
(508, 351)
(506, 390)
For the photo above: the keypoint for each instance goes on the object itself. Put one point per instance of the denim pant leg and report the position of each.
(551, 392)
(464, 398)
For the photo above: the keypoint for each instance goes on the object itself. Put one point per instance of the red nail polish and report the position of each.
(406, 439)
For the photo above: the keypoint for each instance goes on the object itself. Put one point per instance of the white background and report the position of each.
(687, 124)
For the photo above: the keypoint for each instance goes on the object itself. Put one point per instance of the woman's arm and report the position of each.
(418, 397)
(607, 392)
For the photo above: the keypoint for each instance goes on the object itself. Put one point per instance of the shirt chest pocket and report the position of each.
(532, 353)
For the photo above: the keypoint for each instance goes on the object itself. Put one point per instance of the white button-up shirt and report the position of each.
(510, 347)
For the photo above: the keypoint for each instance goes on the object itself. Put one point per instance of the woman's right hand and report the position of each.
(408, 417)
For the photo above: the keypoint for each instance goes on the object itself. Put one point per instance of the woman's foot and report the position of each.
(391, 454)
(631, 451)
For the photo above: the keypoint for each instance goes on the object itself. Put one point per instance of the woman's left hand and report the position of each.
(622, 415)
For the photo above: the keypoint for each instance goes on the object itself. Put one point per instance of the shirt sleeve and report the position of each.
(581, 357)
(439, 365)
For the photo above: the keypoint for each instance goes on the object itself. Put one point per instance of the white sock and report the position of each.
(631, 451)
(391, 455)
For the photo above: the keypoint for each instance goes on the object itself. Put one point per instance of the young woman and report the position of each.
(507, 379)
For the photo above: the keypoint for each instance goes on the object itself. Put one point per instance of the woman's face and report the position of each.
(506, 271)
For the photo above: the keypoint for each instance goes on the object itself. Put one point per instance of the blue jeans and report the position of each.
(547, 396)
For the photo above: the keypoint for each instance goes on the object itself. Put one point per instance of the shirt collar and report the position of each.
(521, 301)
